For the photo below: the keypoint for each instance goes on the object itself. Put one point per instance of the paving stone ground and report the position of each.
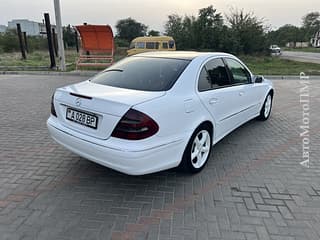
(252, 188)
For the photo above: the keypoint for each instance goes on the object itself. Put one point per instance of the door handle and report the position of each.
(213, 100)
(241, 93)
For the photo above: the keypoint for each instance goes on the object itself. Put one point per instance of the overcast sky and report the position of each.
(150, 12)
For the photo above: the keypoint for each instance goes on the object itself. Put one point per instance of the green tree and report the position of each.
(129, 29)
(209, 25)
(243, 33)
(153, 33)
(201, 32)
(285, 34)
(174, 28)
(189, 33)
(69, 36)
(311, 23)
(247, 31)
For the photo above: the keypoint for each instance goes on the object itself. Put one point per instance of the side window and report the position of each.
(204, 82)
(140, 45)
(150, 45)
(213, 75)
(132, 45)
(165, 45)
(157, 45)
(240, 75)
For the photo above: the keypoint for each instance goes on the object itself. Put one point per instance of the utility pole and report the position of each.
(49, 38)
(60, 35)
(25, 41)
(55, 44)
(23, 53)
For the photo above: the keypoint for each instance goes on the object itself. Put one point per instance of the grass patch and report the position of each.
(41, 60)
(260, 65)
(267, 65)
(35, 59)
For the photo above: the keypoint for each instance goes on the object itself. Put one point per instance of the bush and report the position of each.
(37, 43)
(119, 42)
(9, 41)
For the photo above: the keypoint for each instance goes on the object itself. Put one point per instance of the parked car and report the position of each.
(152, 43)
(159, 110)
(275, 50)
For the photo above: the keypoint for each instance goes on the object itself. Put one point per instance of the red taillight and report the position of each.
(53, 111)
(135, 125)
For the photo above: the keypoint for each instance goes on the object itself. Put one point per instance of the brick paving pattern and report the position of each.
(253, 187)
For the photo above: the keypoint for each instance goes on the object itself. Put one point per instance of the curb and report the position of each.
(72, 73)
(279, 77)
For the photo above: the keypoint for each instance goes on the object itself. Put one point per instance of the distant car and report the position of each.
(159, 110)
(275, 49)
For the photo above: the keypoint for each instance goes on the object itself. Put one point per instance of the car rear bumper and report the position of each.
(137, 161)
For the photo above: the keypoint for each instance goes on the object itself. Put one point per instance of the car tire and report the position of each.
(198, 150)
(266, 108)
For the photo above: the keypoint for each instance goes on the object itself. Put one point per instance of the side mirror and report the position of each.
(258, 79)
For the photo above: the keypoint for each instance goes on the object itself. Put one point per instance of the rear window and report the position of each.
(143, 73)
(171, 44)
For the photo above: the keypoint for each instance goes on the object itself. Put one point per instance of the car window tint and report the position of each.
(240, 75)
(204, 82)
(143, 73)
(217, 73)
(213, 75)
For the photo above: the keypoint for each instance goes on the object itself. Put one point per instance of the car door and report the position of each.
(247, 93)
(218, 96)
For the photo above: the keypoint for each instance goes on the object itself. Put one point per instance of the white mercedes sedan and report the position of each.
(158, 110)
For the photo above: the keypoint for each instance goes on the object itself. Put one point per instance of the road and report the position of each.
(253, 186)
(301, 56)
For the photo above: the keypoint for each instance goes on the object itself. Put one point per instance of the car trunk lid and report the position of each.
(107, 104)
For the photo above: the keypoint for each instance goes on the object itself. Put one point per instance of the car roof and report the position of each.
(152, 38)
(185, 55)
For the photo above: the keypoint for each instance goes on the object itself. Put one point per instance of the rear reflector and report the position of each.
(135, 125)
(53, 111)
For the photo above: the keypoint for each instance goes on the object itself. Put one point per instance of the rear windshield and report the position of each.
(143, 73)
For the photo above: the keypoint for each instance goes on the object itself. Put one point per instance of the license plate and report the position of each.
(82, 118)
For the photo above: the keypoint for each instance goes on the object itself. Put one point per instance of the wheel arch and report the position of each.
(271, 91)
(207, 124)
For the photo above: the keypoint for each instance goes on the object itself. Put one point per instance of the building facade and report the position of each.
(3, 28)
(30, 27)
(315, 41)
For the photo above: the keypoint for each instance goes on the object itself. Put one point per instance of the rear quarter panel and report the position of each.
(180, 111)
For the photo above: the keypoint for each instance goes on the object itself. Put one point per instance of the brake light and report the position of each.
(53, 111)
(135, 125)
